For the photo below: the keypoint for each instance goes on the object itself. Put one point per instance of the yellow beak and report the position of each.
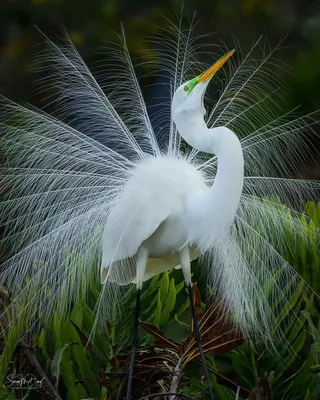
(205, 76)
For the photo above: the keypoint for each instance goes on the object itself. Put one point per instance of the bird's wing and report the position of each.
(134, 218)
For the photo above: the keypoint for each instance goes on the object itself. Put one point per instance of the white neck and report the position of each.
(216, 209)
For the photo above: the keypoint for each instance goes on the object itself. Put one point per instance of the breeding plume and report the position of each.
(145, 191)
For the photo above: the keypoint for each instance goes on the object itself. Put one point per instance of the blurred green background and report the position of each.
(92, 22)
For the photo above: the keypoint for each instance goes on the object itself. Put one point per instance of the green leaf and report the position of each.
(62, 365)
(221, 392)
(291, 302)
(154, 285)
(242, 367)
(159, 338)
(315, 348)
(307, 396)
(6, 394)
(184, 325)
(41, 342)
(182, 309)
(57, 360)
(57, 332)
(164, 285)
(169, 303)
(86, 369)
(77, 314)
(157, 315)
(295, 348)
(179, 287)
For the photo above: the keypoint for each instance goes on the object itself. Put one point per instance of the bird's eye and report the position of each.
(186, 88)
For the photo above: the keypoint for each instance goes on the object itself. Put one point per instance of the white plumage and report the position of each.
(100, 170)
(163, 184)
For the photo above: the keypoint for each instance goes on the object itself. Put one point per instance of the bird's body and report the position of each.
(166, 205)
(165, 184)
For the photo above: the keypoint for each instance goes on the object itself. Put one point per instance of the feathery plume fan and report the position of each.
(63, 172)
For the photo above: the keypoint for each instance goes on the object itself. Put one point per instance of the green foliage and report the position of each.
(307, 262)
(84, 368)
(85, 359)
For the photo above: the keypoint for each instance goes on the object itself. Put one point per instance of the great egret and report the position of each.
(102, 169)
(186, 214)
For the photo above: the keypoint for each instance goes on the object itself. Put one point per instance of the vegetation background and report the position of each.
(59, 352)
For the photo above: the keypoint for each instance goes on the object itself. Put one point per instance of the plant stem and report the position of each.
(175, 380)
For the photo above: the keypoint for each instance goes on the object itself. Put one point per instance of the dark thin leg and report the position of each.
(135, 340)
(197, 337)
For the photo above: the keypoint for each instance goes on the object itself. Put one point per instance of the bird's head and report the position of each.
(189, 96)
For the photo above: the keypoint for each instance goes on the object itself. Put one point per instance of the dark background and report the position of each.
(92, 22)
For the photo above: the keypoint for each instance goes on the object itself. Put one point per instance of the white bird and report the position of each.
(179, 213)
(100, 175)
(179, 210)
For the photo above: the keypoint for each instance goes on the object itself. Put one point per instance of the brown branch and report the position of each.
(175, 379)
(34, 362)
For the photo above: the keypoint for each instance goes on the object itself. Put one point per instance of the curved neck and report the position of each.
(220, 141)
(220, 203)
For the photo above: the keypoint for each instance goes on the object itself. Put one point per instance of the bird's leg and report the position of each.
(186, 269)
(135, 341)
(142, 257)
